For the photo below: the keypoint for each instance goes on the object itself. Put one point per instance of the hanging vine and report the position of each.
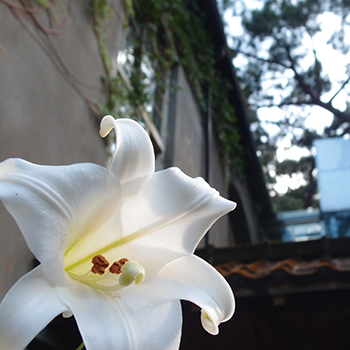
(58, 13)
(165, 32)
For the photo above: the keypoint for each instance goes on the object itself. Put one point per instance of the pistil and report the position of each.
(131, 271)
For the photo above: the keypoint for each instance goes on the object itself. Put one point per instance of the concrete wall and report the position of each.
(43, 116)
(189, 145)
(186, 128)
(221, 235)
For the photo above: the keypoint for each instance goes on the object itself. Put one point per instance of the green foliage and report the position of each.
(102, 12)
(290, 166)
(277, 15)
(168, 32)
(294, 199)
(162, 34)
(43, 2)
(226, 125)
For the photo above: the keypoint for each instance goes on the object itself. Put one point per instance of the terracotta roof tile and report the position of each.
(263, 268)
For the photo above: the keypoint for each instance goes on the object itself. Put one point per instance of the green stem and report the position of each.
(81, 346)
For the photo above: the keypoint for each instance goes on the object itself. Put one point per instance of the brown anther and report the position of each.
(100, 264)
(116, 267)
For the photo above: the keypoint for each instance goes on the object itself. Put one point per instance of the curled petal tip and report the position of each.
(67, 314)
(234, 205)
(106, 125)
(208, 324)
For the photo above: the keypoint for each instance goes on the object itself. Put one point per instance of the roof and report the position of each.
(285, 267)
(264, 268)
(287, 276)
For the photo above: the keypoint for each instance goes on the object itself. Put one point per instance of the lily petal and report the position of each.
(172, 209)
(134, 154)
(161, 218)
(173, 213)
(114, 322)
(191, 278)
(26, 309)
(55, 205)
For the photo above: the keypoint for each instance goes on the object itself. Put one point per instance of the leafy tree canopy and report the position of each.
(283, 68)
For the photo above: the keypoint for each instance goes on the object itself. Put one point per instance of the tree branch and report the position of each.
(282, 104)
(299, 78)
(340, 89)
(339, 114)
(315, 100)
(265, 60)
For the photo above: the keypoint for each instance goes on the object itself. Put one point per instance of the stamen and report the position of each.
(128, 271)
(100, 263)
(116, 267)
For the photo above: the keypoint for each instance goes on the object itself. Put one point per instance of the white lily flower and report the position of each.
(115, 248)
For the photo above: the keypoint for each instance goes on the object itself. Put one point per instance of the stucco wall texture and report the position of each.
(43, 117)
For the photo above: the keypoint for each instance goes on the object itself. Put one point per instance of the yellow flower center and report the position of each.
(120, 274)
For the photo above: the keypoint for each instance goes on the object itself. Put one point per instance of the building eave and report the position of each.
(253, 170)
